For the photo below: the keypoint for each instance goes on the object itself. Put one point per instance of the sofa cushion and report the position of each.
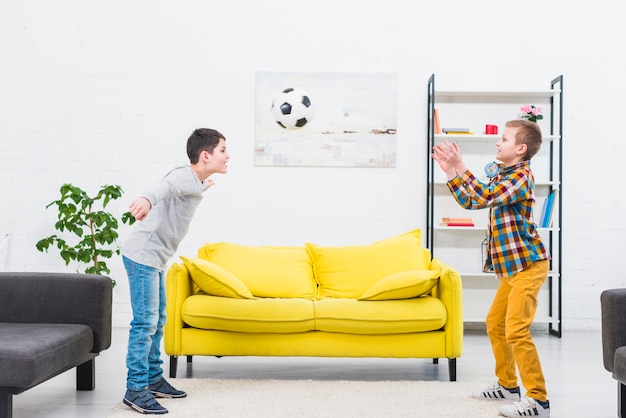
(402, 285)
(39, 351)
(352, 316)
(249, 315)
(214, 280)
(271, 272)
(346, 272)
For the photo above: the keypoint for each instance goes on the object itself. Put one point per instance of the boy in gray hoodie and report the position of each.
(165, 211)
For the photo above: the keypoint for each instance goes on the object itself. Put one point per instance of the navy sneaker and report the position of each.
(526, 407)
(143, 401)
(498, 393)
(162, 389)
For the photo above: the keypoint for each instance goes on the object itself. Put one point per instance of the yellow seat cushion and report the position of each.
(260, 315)
(352, 316)
(402, 285)
(346, 272)
(214, 280)
(270, 272)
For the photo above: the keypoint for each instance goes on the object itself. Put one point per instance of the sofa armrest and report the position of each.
(179, 287)
(59, 298)
(450, 291)
(613, 306)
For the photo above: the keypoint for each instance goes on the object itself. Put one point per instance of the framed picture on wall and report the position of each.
(326, 119)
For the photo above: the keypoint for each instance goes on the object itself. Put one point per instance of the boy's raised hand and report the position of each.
(448, 156)
(139, 208)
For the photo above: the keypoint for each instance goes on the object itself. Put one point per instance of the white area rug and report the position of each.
(322, 398)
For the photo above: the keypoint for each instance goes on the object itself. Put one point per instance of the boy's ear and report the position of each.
(521, 149)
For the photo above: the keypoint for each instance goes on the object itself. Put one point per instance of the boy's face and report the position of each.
(509, 152)
(219, 158)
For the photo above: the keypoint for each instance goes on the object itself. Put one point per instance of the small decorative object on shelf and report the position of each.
(491, 129)
(531, 113)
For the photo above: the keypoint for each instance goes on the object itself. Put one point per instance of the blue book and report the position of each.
(548, 210)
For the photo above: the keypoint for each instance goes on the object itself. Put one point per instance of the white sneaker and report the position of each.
(497, 393)
(526, 407)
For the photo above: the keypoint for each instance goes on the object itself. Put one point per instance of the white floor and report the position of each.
(578, 385)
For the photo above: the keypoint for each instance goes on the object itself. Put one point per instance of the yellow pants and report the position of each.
(508, 326)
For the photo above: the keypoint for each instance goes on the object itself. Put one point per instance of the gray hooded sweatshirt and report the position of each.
(174, 200)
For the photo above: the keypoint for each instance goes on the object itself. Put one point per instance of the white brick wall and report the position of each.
(94, 93)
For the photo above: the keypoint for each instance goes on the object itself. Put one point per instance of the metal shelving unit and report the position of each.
(551, 179)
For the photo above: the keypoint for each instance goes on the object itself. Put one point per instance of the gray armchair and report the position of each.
(50, 323)
(613, 304)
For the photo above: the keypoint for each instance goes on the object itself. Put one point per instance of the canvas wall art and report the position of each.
(326, 119)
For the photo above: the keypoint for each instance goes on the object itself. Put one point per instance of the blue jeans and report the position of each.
(147, 298)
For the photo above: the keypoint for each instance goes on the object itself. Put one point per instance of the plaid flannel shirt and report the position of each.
(513, 240)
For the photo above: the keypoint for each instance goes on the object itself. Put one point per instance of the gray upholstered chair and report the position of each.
(613, 304)
(50, 323)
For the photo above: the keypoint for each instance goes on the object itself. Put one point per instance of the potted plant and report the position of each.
(95, 229)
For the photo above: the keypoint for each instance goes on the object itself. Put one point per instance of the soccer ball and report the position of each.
(292, 108)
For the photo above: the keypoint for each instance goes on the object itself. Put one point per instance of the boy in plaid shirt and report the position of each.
(516, 254)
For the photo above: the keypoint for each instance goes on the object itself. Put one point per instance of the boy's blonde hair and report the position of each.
(528, 133)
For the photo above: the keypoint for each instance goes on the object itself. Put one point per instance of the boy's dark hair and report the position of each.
(528, 133)
(202, 139)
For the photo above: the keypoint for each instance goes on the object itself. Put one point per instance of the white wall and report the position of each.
(107, 92)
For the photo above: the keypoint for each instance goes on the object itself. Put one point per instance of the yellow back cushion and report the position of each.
(273, 272)
(402, 285)
(214, 280)
(346, 272)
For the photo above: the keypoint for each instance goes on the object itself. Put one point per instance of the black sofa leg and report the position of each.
(6, 404)
(452, 369)
(621, 400)
(86, 375)
(173, 366)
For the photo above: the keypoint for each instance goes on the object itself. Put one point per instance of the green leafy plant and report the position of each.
(95, 229)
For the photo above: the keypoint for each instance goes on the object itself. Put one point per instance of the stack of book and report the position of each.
(457, 222)
(456, 131)
(438, 130)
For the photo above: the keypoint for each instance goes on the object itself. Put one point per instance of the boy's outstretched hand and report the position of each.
(448, 156)
(139, 208)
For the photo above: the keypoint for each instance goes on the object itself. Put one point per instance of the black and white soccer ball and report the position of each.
(292, 108)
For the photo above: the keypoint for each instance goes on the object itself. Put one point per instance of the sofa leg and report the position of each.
(6, 404)
(173, 366)
(621, 400)
(452, 369)
(189, 359)
(86, 375)
(435, 361)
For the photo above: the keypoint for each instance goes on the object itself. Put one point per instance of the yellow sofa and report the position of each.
(385, 299)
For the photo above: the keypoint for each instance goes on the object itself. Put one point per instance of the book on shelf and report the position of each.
(543, 213)
(459, 133)
(437, 124)
(457, 222)
(455, 130)
(547, 213)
